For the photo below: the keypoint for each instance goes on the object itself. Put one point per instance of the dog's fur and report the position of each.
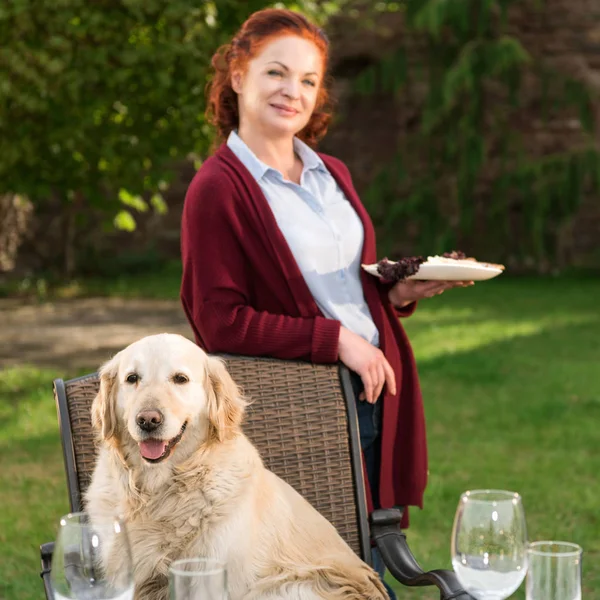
(211, 496)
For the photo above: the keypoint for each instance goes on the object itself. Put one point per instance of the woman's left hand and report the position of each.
(411, 290)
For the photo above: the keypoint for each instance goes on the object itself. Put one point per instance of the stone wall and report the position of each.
(563, 34)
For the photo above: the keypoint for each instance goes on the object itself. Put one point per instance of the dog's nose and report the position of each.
(149, 420)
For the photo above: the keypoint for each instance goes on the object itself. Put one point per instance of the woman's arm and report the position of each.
(216, 290)
(402, 307)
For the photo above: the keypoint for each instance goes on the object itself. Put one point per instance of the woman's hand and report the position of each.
(410, 290)
(369, 362)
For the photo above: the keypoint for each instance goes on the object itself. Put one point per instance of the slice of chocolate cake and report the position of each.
(400, 270)
(456, 255)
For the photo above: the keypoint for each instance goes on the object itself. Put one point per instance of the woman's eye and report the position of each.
(310, 82)
(132, 378)
(274, 72)
(180, 378)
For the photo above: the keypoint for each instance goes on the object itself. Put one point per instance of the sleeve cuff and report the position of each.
(325, 341)
(407, 310)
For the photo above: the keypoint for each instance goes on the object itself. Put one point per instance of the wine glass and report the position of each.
(91, 560)
(489, 543)
(554, 571)
(197, 579)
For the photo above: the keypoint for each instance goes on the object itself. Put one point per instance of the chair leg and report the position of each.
(46, 551)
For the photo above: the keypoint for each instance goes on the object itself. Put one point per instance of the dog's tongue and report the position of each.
(152, 448)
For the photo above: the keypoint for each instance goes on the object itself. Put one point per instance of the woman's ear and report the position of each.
(226, 404)
(236, 81)
(104, 406)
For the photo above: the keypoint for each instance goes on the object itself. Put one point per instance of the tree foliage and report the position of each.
(469, 162)
(100, 100)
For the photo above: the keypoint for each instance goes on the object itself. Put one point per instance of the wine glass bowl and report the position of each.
(91, 560)
(489, 543)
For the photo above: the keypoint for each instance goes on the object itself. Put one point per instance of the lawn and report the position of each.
(510, 379)
(509, 376)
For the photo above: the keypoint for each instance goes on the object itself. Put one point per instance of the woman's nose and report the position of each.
(291, 89)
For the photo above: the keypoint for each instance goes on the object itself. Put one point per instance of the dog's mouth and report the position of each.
(154, 451)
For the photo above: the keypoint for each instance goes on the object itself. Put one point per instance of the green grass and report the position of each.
(161, 283)
(32, 481)
(512, 397)
(509, 372)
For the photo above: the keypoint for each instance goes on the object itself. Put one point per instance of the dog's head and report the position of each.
(163, 397)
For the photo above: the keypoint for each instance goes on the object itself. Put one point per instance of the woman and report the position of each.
(273, 235)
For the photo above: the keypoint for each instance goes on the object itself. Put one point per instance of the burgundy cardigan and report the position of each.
(243, 293)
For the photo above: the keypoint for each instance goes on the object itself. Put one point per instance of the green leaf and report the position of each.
(124, 221)
(431, 17)
(158, 203)
(133, 201)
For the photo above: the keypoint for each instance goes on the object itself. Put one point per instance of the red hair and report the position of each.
(261, 27)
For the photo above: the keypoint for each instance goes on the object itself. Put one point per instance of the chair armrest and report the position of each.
(46, 551)
(392, 544)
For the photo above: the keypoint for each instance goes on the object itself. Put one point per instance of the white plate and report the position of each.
(448, 272)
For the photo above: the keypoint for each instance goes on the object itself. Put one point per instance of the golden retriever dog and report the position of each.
(174, 464)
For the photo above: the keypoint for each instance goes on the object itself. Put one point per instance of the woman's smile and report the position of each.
(286, 111)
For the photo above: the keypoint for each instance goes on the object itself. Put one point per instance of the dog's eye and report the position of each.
(180, 378)
(132, 378)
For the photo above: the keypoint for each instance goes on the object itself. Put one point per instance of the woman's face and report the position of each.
(278, 91)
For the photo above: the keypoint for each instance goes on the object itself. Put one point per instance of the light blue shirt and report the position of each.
(323, 232)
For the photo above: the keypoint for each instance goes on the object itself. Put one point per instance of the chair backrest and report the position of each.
(302, 420)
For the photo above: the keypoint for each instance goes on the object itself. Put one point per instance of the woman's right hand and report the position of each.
(369, 362)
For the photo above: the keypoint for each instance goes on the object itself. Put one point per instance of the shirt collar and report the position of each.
(257, 168)
(309, 157)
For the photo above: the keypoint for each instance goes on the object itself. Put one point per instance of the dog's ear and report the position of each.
(104, 406)
(225, 401)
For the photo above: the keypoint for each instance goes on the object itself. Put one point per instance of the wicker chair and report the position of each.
(303, 422)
